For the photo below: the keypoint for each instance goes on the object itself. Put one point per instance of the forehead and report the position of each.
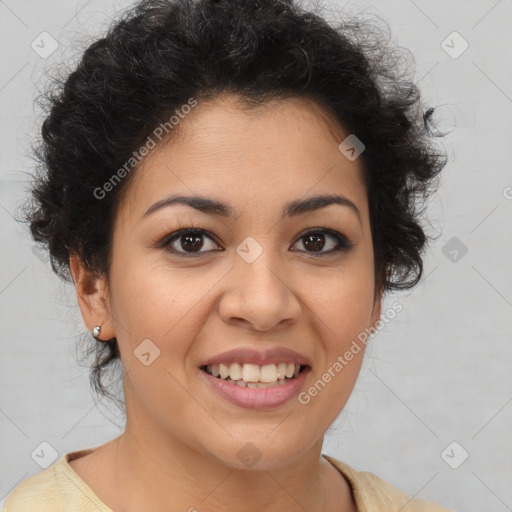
(277, 151)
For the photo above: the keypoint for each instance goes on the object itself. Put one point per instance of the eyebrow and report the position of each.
(218, 208)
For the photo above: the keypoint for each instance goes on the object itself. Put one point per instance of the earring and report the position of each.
(96, 331)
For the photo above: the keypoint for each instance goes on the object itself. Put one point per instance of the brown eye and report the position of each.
(189, 241)
(192, 242)
(316, 241)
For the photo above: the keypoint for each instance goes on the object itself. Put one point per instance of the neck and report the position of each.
(150, 478)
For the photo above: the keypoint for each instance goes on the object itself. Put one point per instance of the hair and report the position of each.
(160, 53)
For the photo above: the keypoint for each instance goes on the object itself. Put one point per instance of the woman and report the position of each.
(232, 187)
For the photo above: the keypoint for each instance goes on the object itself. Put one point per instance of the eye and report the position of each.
(314, 241)
(188, 242)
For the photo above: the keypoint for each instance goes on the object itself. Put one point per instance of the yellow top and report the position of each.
(59, 489)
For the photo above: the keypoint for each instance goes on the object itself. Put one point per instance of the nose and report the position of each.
(259, 295)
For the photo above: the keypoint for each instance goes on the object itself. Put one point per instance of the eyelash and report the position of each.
(343, 243)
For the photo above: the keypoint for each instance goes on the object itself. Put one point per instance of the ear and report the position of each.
(93, 299)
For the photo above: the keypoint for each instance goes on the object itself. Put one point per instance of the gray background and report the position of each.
(438, 373)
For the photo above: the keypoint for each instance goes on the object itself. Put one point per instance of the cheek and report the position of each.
(348, 310)
(159, 310)
(157, 299)
(343, 298)
(343, 307)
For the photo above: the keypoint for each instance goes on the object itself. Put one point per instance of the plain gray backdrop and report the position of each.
(431, 412)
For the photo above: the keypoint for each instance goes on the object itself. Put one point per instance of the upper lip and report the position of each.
(259, 357)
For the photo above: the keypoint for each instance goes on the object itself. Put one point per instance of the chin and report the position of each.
(258, 455)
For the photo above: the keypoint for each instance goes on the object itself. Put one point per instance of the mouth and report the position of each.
(253, 376)
(254, 386)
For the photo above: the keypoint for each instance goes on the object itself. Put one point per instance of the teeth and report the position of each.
(235, 371)
(253, 375)
(250, 373)
(224, 371)
(281, 371)
(261, 385)
(268, 373)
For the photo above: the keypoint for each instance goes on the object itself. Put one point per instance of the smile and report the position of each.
(253, 375)
(255, 393)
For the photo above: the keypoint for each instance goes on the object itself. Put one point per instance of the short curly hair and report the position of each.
(160, 53)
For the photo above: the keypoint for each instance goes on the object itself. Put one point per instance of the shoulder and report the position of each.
(373, 493)
(57, 488)
(38, 492)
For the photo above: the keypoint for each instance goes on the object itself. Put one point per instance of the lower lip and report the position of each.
(255, 398)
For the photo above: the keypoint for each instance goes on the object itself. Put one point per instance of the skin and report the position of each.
(181, 439)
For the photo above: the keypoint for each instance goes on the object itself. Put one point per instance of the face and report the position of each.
(289, 285)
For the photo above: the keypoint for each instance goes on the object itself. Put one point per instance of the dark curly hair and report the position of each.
(160, 53)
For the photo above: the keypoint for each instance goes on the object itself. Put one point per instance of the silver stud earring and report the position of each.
(96, 331)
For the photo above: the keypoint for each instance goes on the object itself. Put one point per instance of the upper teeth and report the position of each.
(253, 372)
